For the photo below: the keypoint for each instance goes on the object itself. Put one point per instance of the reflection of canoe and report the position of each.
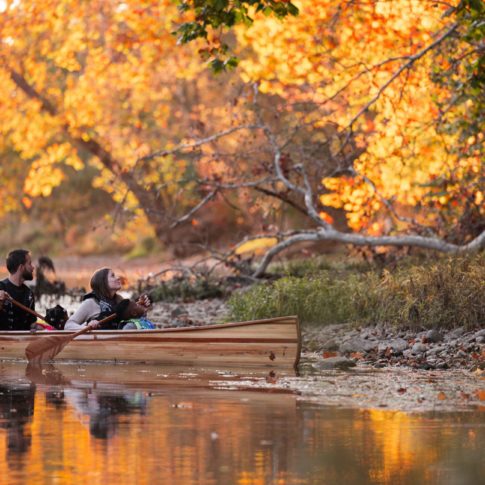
(274, 342)
(153, 378)
(150, 377)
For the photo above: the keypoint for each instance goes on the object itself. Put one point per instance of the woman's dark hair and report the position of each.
(15, 258)
(99, 283)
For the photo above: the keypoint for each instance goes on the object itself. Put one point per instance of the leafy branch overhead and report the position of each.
(209, 19)
(359, 123)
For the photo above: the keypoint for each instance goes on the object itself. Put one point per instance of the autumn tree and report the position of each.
(345, 110)
(102, 84)
(401, 82)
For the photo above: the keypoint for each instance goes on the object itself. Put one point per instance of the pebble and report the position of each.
(334, 363)
(419, 348)
(434, 336)
(385, 346)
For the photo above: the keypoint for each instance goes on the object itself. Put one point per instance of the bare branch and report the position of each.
(407, 65)
(202, 141)
(190, 214)
(360, 240)
(283, 198)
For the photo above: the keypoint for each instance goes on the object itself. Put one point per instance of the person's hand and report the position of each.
(4, 296)
(93, 324)
(144, 301)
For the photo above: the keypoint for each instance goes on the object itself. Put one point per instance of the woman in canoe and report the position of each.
(103, 301)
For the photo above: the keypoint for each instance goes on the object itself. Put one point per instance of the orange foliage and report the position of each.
(111, 73)
(339, 55)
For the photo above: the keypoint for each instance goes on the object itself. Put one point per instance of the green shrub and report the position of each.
(319, 299)
(447, 293)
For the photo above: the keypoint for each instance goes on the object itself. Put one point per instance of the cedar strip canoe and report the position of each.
(274, 342)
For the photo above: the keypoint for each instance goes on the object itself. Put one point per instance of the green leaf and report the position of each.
(293, 9)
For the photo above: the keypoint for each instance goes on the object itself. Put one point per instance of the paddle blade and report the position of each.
(46, 348)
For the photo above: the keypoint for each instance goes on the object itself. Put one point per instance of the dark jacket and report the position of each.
(11, 316)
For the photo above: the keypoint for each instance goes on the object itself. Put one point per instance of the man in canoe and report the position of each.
(20, 268)
(104, 300)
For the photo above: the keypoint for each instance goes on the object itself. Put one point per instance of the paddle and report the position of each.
(46, 348)
(27, 309)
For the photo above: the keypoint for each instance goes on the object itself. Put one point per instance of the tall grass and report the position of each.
(445, 293)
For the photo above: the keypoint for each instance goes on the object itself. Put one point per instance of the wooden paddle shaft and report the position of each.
(27, 309)
(47, 348)
(87, 329)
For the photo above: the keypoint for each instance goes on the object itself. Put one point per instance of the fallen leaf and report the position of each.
(402, 390)
(328, 354)
(441, 396)
(480, 394)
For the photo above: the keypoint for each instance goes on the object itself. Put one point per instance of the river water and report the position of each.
(127, 424)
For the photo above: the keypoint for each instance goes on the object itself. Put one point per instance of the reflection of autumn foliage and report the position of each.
(191, 436)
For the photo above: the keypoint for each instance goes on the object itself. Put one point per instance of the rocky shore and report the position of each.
(183, 314)
(345, 346)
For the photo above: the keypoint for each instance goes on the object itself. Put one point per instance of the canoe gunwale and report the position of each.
(277, 320)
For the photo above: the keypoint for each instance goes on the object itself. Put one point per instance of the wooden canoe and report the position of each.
(274, 342)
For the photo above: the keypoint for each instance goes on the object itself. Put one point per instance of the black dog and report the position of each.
(57, 317)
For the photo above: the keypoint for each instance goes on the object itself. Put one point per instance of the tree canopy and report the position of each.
(375, 106)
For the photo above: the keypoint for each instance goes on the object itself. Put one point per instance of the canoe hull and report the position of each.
(273, 342)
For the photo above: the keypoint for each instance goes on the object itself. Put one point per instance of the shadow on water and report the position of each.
(93, 423)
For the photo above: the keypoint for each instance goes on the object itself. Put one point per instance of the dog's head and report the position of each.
(57, 317)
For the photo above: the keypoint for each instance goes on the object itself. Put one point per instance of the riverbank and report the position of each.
(381, 346)
(344, 346)
(369, 367)
(373, 367)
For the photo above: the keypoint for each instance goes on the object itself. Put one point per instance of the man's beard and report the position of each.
(27, 275)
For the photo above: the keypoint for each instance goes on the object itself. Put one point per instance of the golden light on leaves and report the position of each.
(114, 75)
(402, 148)
(27, 202)
(256, 246)
(326, 217)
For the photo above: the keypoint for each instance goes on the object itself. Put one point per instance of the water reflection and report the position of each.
(104, 410)
(101, 407)
(16, 411)
(128, 424)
